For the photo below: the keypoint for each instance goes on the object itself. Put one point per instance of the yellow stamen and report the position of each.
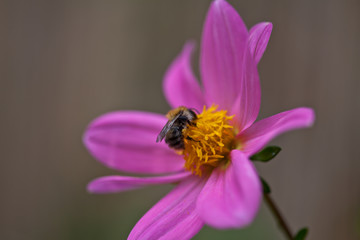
(208, 141)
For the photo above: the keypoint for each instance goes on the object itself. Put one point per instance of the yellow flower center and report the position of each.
(208, 141)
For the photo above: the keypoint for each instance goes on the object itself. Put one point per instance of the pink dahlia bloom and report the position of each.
(229, 195)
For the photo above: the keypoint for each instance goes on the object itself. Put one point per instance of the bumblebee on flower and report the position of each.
(205, 140)
(209, 150)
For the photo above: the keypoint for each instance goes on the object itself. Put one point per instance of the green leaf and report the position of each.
(266, 187)
(266, 154)
(302, 233)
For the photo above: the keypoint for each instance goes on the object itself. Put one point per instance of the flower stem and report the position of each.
(280, 219)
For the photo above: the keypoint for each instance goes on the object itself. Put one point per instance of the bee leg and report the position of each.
(189, 138)
(191, 123)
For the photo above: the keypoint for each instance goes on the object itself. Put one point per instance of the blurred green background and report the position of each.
(63, 63)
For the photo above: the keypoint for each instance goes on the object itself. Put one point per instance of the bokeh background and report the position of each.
(63, 63)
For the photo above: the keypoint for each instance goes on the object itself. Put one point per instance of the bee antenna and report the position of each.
(195, 110)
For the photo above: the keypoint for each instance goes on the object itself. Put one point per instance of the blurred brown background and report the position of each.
(63, 63)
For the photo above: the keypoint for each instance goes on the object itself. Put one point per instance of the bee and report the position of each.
(179, 119)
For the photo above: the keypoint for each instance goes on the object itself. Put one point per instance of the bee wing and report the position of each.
(166, 128)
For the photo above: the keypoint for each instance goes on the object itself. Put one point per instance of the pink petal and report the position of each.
(112, 184)
(247, 104)
(231, 197)
(174, 216)
(260, 133)
(126, 141)
(224, 41)
(259, 38)
(180, 85)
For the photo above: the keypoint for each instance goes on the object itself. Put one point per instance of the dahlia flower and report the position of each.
(216, 183)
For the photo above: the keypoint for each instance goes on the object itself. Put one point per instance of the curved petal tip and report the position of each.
(259, 38)
(310, 113)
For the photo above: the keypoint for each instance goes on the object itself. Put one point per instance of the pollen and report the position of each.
(208, 141)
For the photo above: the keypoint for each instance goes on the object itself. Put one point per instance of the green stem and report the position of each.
(281, 221)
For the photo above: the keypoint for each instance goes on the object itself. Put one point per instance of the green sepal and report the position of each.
(265, 185)
(302, 233)
(266, 154)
